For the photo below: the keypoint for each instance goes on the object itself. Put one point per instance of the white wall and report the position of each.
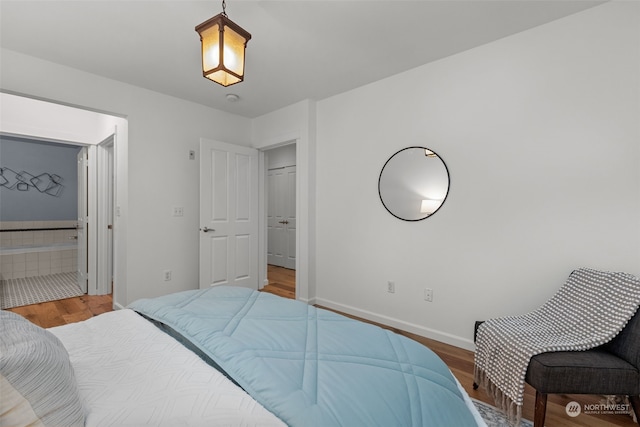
(540, 134)
(161, 131)
(26, 116)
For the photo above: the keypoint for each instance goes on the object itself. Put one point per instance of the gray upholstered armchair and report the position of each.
(559, 348)
(611, 369)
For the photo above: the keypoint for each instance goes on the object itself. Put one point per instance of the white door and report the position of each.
(281, 217)
(104, 220)
(83, 223)
(228, 215)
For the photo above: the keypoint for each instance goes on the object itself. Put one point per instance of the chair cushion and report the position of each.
(583, 372)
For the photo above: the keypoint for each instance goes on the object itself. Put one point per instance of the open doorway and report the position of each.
(53, 122)
(49, 247)
(281, 220)
(57, 216)
(38, 207)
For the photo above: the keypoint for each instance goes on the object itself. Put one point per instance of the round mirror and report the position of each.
(413, 183)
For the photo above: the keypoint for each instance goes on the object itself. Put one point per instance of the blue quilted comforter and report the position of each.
(312, 367)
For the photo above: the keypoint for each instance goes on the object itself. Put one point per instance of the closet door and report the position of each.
(281, 217)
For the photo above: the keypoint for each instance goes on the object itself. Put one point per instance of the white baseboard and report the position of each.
(433, 334)
(311, 301)
(117, 306)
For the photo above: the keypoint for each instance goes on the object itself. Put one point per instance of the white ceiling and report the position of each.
(299, 49)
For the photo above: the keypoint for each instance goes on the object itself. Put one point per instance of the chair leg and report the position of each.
(635, 404)
(540, 409)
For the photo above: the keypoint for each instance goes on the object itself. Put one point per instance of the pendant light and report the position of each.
(223, 45)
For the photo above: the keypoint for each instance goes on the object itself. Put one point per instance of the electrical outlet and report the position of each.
(178, 211)
(167, 275)
(428, 294)
(391, 287)
(192, 155)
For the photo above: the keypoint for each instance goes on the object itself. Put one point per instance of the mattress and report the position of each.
(129, 373)
(312, 367)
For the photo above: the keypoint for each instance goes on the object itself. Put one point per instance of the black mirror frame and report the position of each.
(443, 200)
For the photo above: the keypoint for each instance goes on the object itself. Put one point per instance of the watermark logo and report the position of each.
(573, 409)
(609, 408)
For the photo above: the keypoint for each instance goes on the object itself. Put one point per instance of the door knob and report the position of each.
(206, 229)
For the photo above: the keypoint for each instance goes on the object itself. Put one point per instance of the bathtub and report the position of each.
(49, 247)
(18, 262)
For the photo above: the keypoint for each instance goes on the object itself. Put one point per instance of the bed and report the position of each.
(223, 356)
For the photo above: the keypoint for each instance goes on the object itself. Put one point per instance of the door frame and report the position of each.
(302, 219)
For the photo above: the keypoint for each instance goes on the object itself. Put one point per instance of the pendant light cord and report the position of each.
(224, 7)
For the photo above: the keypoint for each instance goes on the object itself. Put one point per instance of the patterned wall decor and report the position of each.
(45, 182)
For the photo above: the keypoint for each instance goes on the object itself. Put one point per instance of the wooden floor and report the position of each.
(70, 310)
(282, 282)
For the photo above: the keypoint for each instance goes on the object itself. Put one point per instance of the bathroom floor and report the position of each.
(33, 290)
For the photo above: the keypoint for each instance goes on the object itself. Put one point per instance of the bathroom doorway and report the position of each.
(38, 234)
(53, 122)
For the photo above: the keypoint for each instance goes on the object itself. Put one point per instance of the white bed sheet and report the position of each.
(132, 374)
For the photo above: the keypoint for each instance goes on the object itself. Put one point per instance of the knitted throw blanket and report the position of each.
(589, 310)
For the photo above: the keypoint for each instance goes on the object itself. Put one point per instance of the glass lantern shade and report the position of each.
(223, 46)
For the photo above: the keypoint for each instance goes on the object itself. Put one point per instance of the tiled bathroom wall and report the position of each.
(39, 252)
(39, 237)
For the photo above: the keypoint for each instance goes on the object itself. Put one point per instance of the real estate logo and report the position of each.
(608, 408)
(573, 409)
